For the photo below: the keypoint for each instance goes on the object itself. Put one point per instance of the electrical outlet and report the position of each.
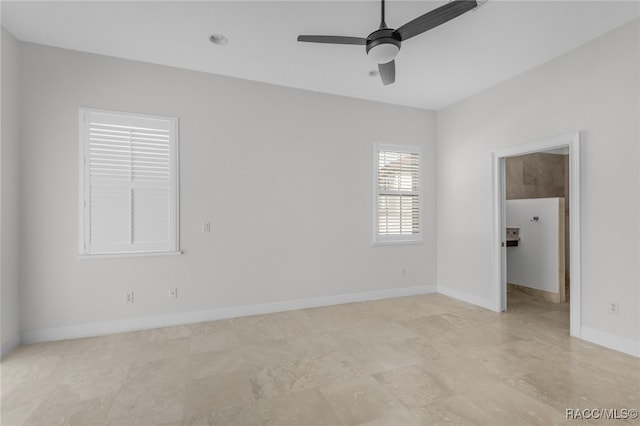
(128, 297)
(614, 308)
(206, 226)
(173, 293)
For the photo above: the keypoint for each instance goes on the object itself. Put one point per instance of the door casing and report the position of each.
(499, 270)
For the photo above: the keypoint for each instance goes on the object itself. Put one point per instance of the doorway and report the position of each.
(568, 142)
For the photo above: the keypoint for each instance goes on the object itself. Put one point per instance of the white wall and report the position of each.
(535, 261)
(284, 175)
(9, 194)
(593, 89)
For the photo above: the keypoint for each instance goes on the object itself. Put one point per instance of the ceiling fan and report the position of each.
(384, 44)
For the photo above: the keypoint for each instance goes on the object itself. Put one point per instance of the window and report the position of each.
(398, 194)
(128, 183)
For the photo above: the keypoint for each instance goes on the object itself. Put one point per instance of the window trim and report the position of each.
(380, 240)
(83, 213)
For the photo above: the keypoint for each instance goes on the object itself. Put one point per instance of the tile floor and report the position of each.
(422, 360)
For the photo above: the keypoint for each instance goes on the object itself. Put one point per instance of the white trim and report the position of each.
(572, 140)
(396, 242)
(617, 343)
(7, 347)
(176, 178)
(537, 146)
(84, 243)
(465, 297)
(499, 257)
(82, 193)
(379, 240)
(135, 324)
(132, 254)
(575, 238)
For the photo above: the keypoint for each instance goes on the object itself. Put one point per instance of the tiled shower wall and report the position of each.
(537, 175)
(541, 175)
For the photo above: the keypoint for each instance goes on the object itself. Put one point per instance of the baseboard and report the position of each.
(617, 343)
(601, 338)
(136, 324)
(536, 293)
(7, 347)
(465, 297)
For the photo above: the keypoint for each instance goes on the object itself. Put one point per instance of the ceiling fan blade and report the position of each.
(434, 18)
(387, 72)
(332, 39)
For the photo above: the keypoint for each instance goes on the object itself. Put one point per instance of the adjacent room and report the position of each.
(320, 212)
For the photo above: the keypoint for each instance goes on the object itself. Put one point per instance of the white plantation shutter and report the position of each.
(129, 183)
(398, 193)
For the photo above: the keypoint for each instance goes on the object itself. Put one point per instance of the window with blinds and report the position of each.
(129, 183)
(398, 203)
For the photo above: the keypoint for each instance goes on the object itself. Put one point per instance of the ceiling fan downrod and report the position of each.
(383, 24)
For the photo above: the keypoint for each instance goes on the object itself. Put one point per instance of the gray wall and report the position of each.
(9, 194)
(284, 176)
(593, 89)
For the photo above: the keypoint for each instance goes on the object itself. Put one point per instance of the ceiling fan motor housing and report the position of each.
(382, 46)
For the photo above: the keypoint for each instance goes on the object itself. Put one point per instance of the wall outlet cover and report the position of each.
(614, 308)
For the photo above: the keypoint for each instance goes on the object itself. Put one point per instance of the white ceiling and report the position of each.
(467, 55)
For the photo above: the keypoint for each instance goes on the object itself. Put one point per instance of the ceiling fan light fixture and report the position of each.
(383, 53)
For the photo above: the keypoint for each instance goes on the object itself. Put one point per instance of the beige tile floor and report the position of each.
(416, 360)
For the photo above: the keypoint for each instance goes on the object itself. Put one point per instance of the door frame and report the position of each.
(499, 280)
